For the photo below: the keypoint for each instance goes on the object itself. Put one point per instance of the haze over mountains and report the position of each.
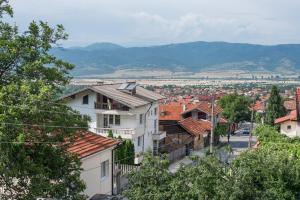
(100, 59)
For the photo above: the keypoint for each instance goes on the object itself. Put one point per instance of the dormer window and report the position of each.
(85, 99)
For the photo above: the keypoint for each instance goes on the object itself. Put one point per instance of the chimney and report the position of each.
(183, 107)
(298, 102)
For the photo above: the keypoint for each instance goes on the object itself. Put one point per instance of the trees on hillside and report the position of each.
(275, 108)
(34, 161)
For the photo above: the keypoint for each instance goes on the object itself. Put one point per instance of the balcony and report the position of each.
(160, 135)
(108, 106)
(124, 133)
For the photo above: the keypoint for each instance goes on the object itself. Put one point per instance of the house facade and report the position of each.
(290, 124)
(124, 110)
(96, 155)
(188, 125)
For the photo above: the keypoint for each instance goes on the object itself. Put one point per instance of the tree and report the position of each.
(221, 129)
(235, 107)
(125, 153)
(34, 127)
(275, 108)
(254, 175)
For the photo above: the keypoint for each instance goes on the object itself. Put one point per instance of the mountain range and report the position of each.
(193, 57)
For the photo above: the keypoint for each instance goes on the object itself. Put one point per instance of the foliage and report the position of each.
(33, 127)
(271, 140)
(271, 172)
(254, 175)
(151, 181)
(235, 108)
(221, 129)
(110, 134)
(275, 108)
(125, 153)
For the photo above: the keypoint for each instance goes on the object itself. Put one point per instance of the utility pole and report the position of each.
(212, 125)
(251, 129)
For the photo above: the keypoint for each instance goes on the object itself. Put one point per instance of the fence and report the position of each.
(176, 154)
(126, 169)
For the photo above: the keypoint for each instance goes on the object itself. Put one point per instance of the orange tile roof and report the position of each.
(170, 111)
(259, 105)
(204, 107)
(87, 143)
(195, 127)
(223, 120)
(290, 117)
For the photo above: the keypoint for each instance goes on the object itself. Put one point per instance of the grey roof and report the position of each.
(140, 98)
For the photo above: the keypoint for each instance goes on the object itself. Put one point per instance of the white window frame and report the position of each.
(104, 169)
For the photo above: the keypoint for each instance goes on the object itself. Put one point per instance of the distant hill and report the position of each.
(104, 58)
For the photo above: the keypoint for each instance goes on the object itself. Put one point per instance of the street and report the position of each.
(239, 143)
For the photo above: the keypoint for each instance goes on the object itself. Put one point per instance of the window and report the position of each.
(104, 169)
(117, 119)
(85, 99)
(155, 125)
(155, 111)
(141, 118)
(111, 119)
(289, 127)
(139, 141)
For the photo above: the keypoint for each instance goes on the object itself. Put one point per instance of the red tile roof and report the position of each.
(290, 117)
(223, 120)
(195, 127)
(204, 107)
(259, 105)
(170, 111)
(87, 143)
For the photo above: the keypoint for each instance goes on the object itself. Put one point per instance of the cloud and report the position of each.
(188, 27)
(136, 22)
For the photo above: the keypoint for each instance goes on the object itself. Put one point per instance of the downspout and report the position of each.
(113, 167)
(145, 125)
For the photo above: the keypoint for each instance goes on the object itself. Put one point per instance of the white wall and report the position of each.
(92, 175)
(85, 109)
(129, 119)
(293, 132)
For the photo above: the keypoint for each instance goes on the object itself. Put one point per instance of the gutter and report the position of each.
(113, 167)
(146, 124)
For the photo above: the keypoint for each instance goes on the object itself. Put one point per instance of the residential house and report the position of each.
(290, 124)
(96, 155)
(188, 125)
(126, 110)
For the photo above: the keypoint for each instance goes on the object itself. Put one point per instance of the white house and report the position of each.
(126, 110)
(290, 124)
(96, 155)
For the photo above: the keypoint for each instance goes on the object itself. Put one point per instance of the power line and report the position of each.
(45, 126)
(46, 111)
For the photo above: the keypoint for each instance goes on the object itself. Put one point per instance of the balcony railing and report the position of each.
(159, 135)
(107, 106)
(105, 131)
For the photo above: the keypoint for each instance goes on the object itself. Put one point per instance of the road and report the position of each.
(239, 143)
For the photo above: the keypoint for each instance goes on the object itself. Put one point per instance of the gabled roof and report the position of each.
(87, 143)
(195, 127)
(204, 107)
(290, 117)
(140, 98)
(170, 112)
(294, 114)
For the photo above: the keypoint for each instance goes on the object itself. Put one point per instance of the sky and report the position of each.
(155, 22)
